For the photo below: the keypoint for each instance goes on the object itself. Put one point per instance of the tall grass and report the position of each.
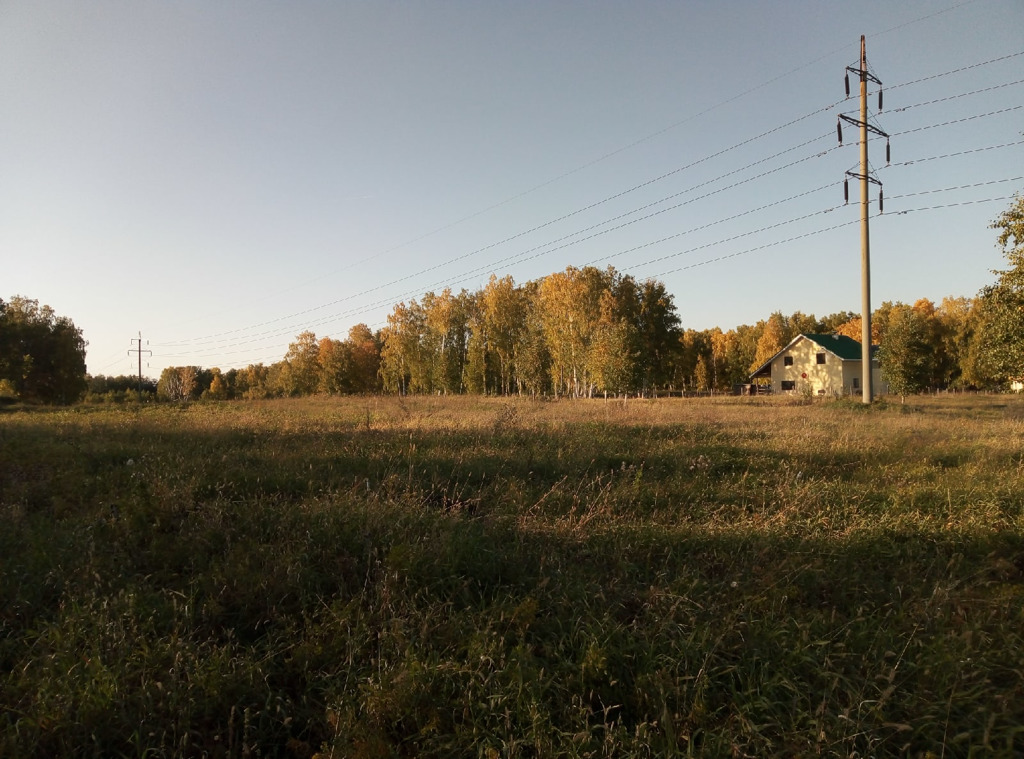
(492, 577)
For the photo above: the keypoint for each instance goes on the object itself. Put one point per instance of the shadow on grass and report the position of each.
(243, 591)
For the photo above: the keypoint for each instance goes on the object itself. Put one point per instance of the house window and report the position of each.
(787, 360)
(788, 384)
(820, 358)
(856, 383)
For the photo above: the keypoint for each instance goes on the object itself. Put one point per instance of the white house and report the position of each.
(819, 365)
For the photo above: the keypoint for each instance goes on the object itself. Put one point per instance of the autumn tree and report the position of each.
(218, 389)
(444, 341)
(774, 336)
(569, 304)
(613, 349)
(503, 309)
(365, 359)
(532, 358)
(700, 376)
(953, 330)
(249, 383)
(179, 383)
(694, 351)
(732, 353)
(301, 372)
(334, 361)
(478, 374)
(831, 323)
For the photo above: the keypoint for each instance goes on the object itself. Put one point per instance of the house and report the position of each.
(819, 365)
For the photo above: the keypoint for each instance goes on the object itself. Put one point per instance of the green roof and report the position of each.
(845, 347)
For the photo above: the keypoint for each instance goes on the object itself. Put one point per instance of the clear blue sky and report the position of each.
(222, 176)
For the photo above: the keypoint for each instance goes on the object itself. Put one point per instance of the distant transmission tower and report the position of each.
(866, 178)
(140, 350)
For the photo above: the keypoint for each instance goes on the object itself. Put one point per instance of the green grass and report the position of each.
(490, 577)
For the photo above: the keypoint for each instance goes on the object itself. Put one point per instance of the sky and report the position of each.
(219, 177)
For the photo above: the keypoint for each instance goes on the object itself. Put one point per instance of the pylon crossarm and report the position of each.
(868, 177)
(864, 124)
(864, 73)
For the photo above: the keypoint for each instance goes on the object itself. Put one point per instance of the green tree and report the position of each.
(905, 354)
(657, 333)
(42, 355)
(104, 389)
(1000, 336)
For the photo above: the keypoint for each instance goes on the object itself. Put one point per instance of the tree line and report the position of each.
(42, 355)
(576, 333)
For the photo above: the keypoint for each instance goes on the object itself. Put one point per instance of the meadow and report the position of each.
(492, 577)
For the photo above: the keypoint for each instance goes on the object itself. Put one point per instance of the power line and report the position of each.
(620, 253)
(981, 91)
(823, 230)
(573, 213)
(548, 250)
(924, 18)
(957, 153)
(951, 205)
(956, 71)
(958, 187)
(958, 121)
(543, 225)
(956, 97)
(464, 275)
(773, 244)
(608, 221)
(740, 236)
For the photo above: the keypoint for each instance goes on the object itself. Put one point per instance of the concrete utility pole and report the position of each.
(865, 240)
(140, 351)
(865, 178)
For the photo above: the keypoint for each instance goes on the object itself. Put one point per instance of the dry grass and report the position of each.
(511, 577)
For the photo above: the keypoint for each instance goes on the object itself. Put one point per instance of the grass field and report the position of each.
(428, 577)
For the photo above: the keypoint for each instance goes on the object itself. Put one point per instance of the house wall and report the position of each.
(851, 369)
(827, 377)
(834, 377)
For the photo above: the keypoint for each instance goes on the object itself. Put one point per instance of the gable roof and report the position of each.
(845, 348)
